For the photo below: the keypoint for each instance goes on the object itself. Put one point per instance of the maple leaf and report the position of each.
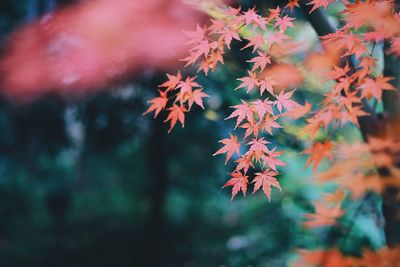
(266, 180)
(216, 25)
(256, 41)
(375, 36)
(251, 128)
(317, 152)
(395, 46)
(260, 61)
(239, 182)
(277, 38)
(274, 13)
(292, 4)
(327, 258)
(271, 159)
(283, 23)
(251, 17)
(262, 107)
(318, 3)
(258, 148)
(323, 216)
(283, 101)
(352, 115)
(313, 125)
(229, 35)
(266, 84)
(268, 123)
(157, 104)
(244, 163)
(349, 100)
(299, 111)
(172, 81)
(196, 36)
(186, 93)
(176, 113)
(197, 97)
(375, 87)
(243, 111)
(338, 72)
(202, 48)
(190, 59)
(231, 145)
(336, 197)
(360, 184)
(248, 81)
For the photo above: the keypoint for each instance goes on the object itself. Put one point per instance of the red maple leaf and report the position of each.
(172, 81)
(284, 22)
(267, 84)
(239, 182)
(283, 101)
(266, 180)
(244, 163)
(176, 113)
(231, 145)
(229, 35)
(323, 216)
(299, 111)
(260, 61)
(317, 152)
(243, 111)
(262, 107)
(271, 159)
(157, 104)
(274, 13)
(318, 3)
(277, 38)
(292, 4)
(375, 87)
(251, 128)
(197, 97)
(251, 17)
(196, 36)
(258, 148)
(268, 123)
(256, 41)
(250, 82)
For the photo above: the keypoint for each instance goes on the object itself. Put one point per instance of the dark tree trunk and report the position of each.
(157, 166)
(391, 102)
(375, 125)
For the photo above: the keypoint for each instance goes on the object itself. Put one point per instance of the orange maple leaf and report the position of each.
(197, 97)
(318, 3)
(172, 82)
(266, 180)
(231, 145)
(176, 113)
(157, 104)
(260, 61)
(317, 152)
(323, 216)
(238, 182)
(250, 82)
(375, 87)
(283, 101)
(242, 111)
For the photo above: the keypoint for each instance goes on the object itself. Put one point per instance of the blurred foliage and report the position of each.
(77, 183)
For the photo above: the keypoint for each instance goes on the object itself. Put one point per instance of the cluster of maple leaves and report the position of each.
(356, 84)
(257, 117)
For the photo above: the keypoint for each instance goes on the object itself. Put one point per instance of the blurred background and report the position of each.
(86, 180)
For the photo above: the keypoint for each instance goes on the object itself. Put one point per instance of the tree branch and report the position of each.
(373, 125)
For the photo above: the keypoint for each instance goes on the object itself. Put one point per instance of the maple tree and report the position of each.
(356, 88)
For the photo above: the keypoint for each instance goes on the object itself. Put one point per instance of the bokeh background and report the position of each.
(86, 180)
